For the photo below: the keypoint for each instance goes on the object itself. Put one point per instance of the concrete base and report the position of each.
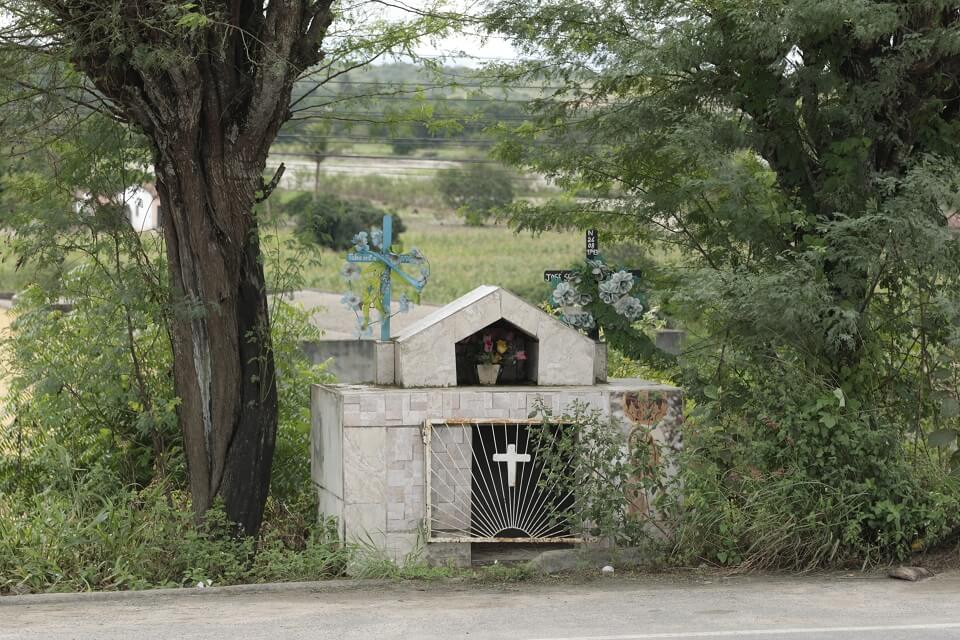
(449, 554)
(369, 456)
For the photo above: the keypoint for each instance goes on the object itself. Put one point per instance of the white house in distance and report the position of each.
(141, 205)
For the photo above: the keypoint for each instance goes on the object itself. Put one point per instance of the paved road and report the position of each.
(300, 172)
(616, 609)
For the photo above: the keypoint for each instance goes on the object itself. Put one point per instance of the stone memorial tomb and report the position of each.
(428, 458)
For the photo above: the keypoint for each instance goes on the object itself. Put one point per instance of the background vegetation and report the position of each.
(788, 209)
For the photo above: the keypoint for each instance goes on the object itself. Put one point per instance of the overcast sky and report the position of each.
(467, 48)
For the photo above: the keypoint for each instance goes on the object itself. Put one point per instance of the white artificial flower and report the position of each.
(629, 307)
(360, 242)
(350, 272)
(351, 301)
(623, 281)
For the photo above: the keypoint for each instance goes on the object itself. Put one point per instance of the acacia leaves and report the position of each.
(789, 166)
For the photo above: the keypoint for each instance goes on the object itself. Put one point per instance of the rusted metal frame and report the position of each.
(521, 540)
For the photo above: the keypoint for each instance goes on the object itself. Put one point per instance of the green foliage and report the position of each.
(477, 191)
(77, 538)
(332, 222)
(810, 488)
(97, 378)
(90, 381)
(90, 474)
(800, 158)
(296, 373)
(619, 365)
(617, 480)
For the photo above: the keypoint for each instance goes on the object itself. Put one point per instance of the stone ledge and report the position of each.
(615, 384)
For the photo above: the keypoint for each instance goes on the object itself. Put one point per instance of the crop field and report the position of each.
(462, 258)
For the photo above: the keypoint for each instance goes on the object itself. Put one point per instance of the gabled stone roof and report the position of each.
(426, 355)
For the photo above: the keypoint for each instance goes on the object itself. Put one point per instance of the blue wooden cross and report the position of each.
(392, 261)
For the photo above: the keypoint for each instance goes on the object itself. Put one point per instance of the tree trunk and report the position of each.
(223, 361)
(209, 85)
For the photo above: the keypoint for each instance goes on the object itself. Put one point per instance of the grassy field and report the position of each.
(11, 279)
(462, 258)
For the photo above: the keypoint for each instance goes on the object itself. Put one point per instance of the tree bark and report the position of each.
(210, 100)
(223, 360)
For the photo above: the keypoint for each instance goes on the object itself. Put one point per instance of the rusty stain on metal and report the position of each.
(465, 421)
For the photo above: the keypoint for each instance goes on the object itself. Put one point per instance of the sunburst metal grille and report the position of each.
(486, 483)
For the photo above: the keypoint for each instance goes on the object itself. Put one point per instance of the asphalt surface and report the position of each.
(816, 608)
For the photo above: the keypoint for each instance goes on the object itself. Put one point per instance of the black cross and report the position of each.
(592, 252)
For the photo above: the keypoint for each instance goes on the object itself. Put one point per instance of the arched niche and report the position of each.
(518, 365)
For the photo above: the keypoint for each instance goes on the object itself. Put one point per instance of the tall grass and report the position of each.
(462, 258)
(79, 538)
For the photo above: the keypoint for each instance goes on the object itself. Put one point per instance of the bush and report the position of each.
(87, 379)
(290, 480)
(805, 480)
(618, 483)
(333, 222)
(78, 539)
(91, 470)
(476, 191)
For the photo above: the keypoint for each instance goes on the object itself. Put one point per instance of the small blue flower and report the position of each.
(363, 329)
(360, 241)
(405, 303)
(351, 301)
(350, 272)
(376, 238)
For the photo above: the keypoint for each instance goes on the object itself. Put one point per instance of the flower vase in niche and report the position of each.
(493, 350)
(488, 373)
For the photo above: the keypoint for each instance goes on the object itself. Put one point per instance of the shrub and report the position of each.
(96, 379)
(805, 480)
(91, 470)
(616, 483)
(476, 191)
(77, 539)
(290, 480)
(333, 222)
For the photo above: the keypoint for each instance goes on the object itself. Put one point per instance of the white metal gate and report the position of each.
(485, 483)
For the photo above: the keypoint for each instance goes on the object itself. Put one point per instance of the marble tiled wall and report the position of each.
(368, 450)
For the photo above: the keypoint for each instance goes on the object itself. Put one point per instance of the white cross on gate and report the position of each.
(511, 457)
